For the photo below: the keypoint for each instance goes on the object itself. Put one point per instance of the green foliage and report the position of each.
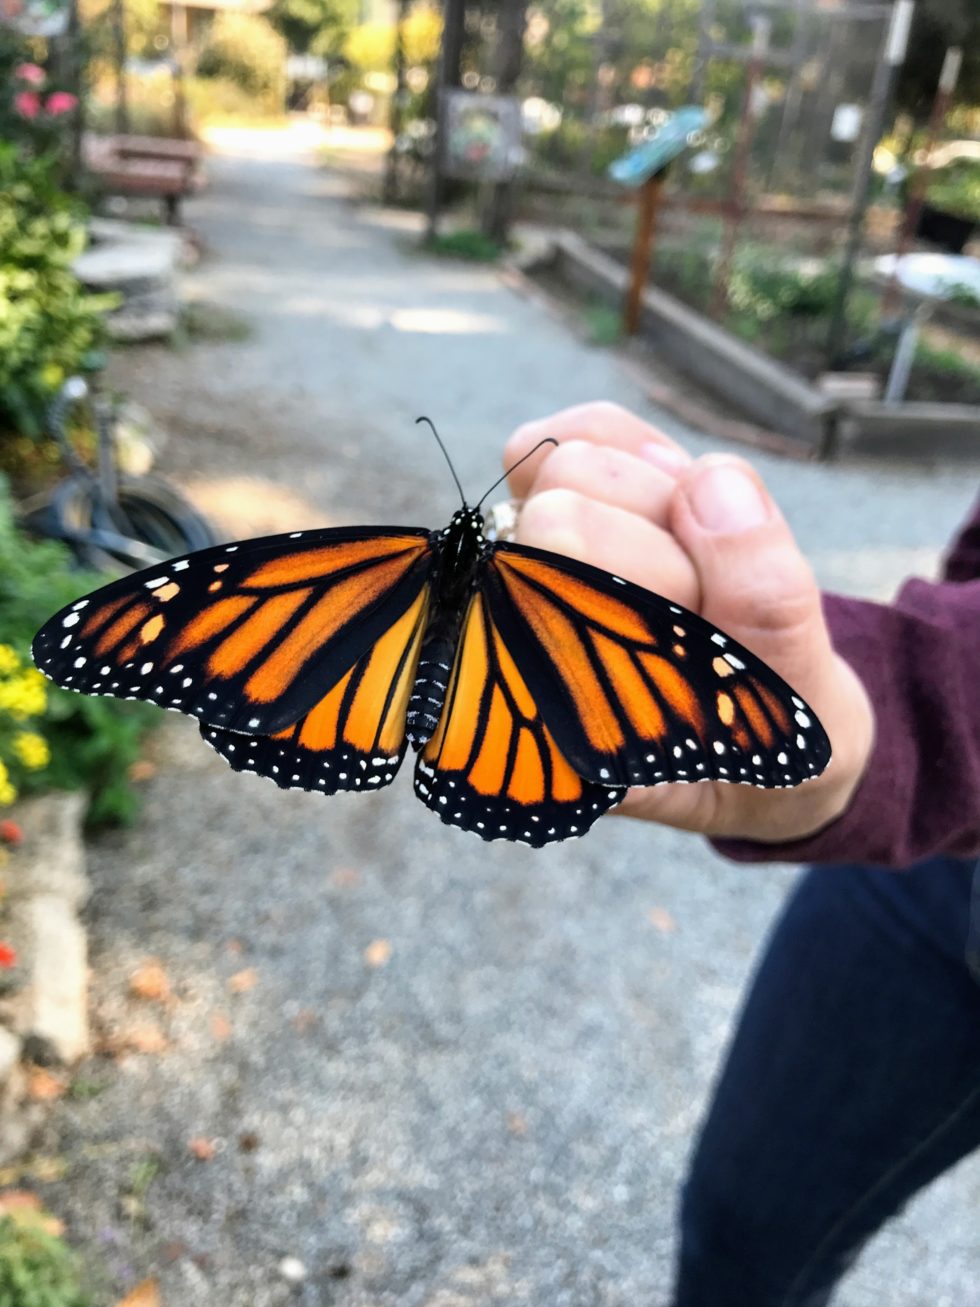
(92, 742)
(466, 244)
(956, 189)
(314, 26)
(603, 324)
(49, 325)
(572, 144)
(767, 290)
(36, 1267)
(246, 50)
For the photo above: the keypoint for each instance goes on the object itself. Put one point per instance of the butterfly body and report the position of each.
(534, 688)
(458, 551)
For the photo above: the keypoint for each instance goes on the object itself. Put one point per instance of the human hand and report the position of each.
(619, 494)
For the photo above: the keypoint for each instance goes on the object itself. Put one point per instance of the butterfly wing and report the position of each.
(637, 690)
(492, 765)
(247, 636)
(354, 738)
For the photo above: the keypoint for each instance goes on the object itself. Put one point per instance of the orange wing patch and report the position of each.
(636, 690)
(354, 738)
(492, 766)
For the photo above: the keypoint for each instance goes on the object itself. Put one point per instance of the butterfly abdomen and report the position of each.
(431, 681)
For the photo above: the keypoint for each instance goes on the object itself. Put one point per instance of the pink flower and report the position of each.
(59, 102)
(30, 73)
(27, 104)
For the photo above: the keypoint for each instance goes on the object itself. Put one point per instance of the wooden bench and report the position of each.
(158, 167)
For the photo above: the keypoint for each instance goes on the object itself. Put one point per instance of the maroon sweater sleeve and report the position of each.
(919, 660)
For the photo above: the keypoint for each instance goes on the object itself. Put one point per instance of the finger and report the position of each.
(601, 423)
(566, 522)
(755, 583)
(608, 475)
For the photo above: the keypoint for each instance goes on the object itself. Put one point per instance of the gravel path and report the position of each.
(434, 1072)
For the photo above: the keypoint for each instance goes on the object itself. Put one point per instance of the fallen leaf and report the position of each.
(25, 1210)
(248, 1141)
(11, 832)
(234, 946)
(146, 1294)
(663, 920)
(150, 981)
(220, 1027)
(8, 956)
(345, 878)
(377, 953)
(201, 1148)
(142, 770)
(304, 1020)
(146, 1039)
(242, 981)
(517, 1124)
(43, 1085)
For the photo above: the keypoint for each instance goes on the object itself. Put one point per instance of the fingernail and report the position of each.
(662, 456)
(724, 498)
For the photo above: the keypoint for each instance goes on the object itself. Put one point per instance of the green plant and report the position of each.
(90, 742)
(49, 325)
(603, 324)
(246, 50)
(466, 244)
(965, 296)
(956, 190)
(36, 1268)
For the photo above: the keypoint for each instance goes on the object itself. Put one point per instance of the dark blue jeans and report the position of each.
(852, 1081)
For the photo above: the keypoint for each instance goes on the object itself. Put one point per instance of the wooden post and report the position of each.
(646, 223)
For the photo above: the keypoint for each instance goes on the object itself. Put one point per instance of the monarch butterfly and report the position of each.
(536, 689)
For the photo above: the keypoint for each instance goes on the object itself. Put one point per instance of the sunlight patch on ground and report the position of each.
(241, 507)
(447, 322)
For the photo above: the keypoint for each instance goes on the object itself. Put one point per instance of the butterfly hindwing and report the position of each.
(247, 636)
(354, 739)
(639, 691)
(492, 765)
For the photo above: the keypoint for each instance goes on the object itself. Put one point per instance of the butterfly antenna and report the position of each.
(432, 427)
(548, 440)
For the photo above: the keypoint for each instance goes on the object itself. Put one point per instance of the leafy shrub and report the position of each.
(35, 111)
(246, 50)
(36, 1267)
(956, 190)
(571, 145)
(49, 325)
(769, 290)
(90, 742)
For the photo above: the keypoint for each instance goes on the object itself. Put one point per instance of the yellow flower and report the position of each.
(9, 662)
(52, 375)
(23, 696)
(32, 749)
(7, 791)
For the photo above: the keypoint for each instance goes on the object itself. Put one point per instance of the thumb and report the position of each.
(755, 584)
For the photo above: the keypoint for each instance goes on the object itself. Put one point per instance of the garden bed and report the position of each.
(764, 389)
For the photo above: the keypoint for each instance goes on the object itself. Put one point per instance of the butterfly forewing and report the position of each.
(248, 636)
(354, 739)
(638, 691)
(492, 766)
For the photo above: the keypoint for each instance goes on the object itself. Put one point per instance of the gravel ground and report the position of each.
(433, 1071)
